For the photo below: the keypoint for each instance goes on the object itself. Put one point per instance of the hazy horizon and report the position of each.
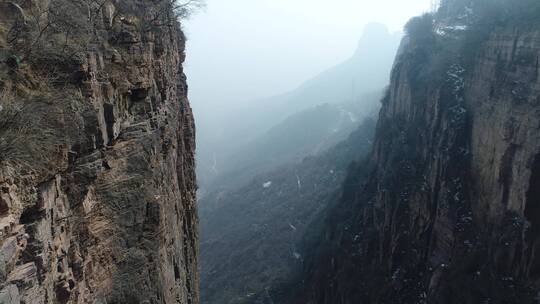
(238, 49)
(242, 55)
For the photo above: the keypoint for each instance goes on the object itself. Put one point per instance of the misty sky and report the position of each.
(241, 50)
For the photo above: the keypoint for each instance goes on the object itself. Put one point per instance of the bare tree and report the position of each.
(170, 12)
(184, 8)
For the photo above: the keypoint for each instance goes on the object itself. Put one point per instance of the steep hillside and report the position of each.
(232, 129)
(448, 211)
(251, 236)
(97, 181)
(307, 133)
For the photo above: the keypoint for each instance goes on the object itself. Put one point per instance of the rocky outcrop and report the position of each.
(97, 185)
(448, 211)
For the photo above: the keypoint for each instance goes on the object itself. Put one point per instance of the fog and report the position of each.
(243, 50)
(252, 64)
(285, 95)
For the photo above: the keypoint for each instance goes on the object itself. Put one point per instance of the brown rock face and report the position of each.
(449, 210)
(97, 185)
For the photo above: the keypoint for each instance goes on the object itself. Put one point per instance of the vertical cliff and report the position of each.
(446, 209)
(97, 185)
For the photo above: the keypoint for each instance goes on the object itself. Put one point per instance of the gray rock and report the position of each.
(10, 295)
(101, 181)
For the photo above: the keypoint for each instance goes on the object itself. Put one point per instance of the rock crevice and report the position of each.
(447, 208)
(98, 186)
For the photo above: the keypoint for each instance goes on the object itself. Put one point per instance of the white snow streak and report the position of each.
(292, 227)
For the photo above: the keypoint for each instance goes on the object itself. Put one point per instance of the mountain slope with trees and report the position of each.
(445, 210)
(251, 236)
(359, 80)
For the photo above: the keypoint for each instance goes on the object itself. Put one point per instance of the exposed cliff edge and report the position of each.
(97, 182)
(446, 209)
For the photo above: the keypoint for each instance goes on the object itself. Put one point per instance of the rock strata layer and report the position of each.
(97, 182)
(448, 211)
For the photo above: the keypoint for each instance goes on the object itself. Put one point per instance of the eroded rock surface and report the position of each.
(97, 185)
(448, 212)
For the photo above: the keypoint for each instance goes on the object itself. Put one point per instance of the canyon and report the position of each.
(435, 199)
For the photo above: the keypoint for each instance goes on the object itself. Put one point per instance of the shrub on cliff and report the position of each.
(420, 29)
(424, 70)
(184, 8)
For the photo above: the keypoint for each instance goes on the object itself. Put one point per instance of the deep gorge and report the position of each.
(407, 173)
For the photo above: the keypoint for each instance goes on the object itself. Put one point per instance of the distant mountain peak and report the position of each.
(375, 37)
(376, 29)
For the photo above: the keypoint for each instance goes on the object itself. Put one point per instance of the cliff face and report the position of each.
(97, 185)
(448, 211)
